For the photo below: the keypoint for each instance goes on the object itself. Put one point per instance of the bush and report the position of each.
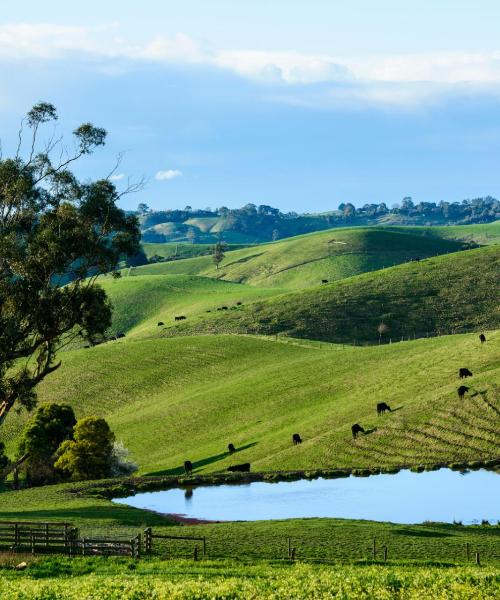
(89, 454)
(120, 461)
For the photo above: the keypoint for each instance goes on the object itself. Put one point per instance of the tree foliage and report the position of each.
(218, 253)
(90, 454)
(51, 425)
(53, 230)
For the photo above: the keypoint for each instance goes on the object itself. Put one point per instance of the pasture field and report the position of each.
(446, 294)
(173, 250)
(173, 399)
(159, 580)
(141, 302)
(337, 540)
(305, 260)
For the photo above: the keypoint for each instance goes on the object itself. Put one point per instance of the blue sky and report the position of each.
(297, 104)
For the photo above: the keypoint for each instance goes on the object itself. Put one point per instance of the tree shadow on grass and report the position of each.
(203, 462)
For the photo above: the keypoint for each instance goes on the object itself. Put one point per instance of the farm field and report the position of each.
(187, 397)
(445, 294)
(109, 580)
(305, 260)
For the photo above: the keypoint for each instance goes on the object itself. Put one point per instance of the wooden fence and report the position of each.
(63, 538)
(149, 536)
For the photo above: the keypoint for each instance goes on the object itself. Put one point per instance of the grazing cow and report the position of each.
(223, 308)
(179, 318)
(482, 338)
(231, 448)
(382, 407)
(160, 323)
(463, 372)
(243, 468)
(296, 439)
(120, 335)
(239, 303)
(324, 281)
(356, 428)
(188, 467)
(462, 390)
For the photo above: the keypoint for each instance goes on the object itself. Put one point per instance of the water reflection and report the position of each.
(405, 497)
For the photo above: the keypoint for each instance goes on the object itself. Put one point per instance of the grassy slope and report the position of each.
(446, 294)
(170, 400)
(305, 260)
(141, 302)
(483, 234)
(182, 250)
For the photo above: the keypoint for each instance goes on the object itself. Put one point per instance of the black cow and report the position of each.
(356, 428)
(243, 468)
(462, 390)
(179, 318)
(160, 323)
(324, 281)
(238, 303)
(120, 335)
(382, 407)
(296, 439)
(482, 338)
(463, 372)
(231, 448)
(223, 308)
(188, 467)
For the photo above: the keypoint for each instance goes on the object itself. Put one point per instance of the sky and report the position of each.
(301, 105)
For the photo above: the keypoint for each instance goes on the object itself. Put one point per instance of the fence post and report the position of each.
(84, 547)
(385, 553)
(32, 539)
(289, 547)
(292, 554)
(195, 553)
(16, 536)
(467, 551)
(46, 535)
(478, 559)
(374, 548)
(148, 540)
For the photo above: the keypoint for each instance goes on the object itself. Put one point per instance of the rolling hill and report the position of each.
(173, 399)
(304, 261)
(445, 294)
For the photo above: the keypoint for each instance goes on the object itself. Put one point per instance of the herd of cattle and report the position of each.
(382, 408)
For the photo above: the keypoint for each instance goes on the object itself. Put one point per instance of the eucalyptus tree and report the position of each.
(57, 234)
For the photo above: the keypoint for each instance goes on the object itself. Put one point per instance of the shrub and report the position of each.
(89, 455)
(121, 464)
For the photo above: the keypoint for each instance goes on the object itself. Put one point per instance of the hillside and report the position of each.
(140, 302)
(306, 260)
(172, 399)
(446, 294)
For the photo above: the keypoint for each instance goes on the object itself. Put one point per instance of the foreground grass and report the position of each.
(125, 580)
(170, 400)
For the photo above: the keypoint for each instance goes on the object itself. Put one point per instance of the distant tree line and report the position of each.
(265, 223)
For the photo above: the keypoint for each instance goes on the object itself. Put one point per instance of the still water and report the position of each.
(404, 497)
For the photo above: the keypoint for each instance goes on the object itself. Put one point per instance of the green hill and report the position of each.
(306, 260)
(142, 301)
(446, 294)
(173, 399)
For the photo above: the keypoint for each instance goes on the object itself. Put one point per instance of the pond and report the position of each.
(405, 497)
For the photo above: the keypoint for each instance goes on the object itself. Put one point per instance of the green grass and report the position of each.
(159, 580)
(140, 302)
(484, 234)
(446, 294)
(305, 260)
(172, 399)
(172, 250)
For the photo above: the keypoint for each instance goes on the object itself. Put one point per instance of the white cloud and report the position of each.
(168, 174)
(117, 177)
(401, 80)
